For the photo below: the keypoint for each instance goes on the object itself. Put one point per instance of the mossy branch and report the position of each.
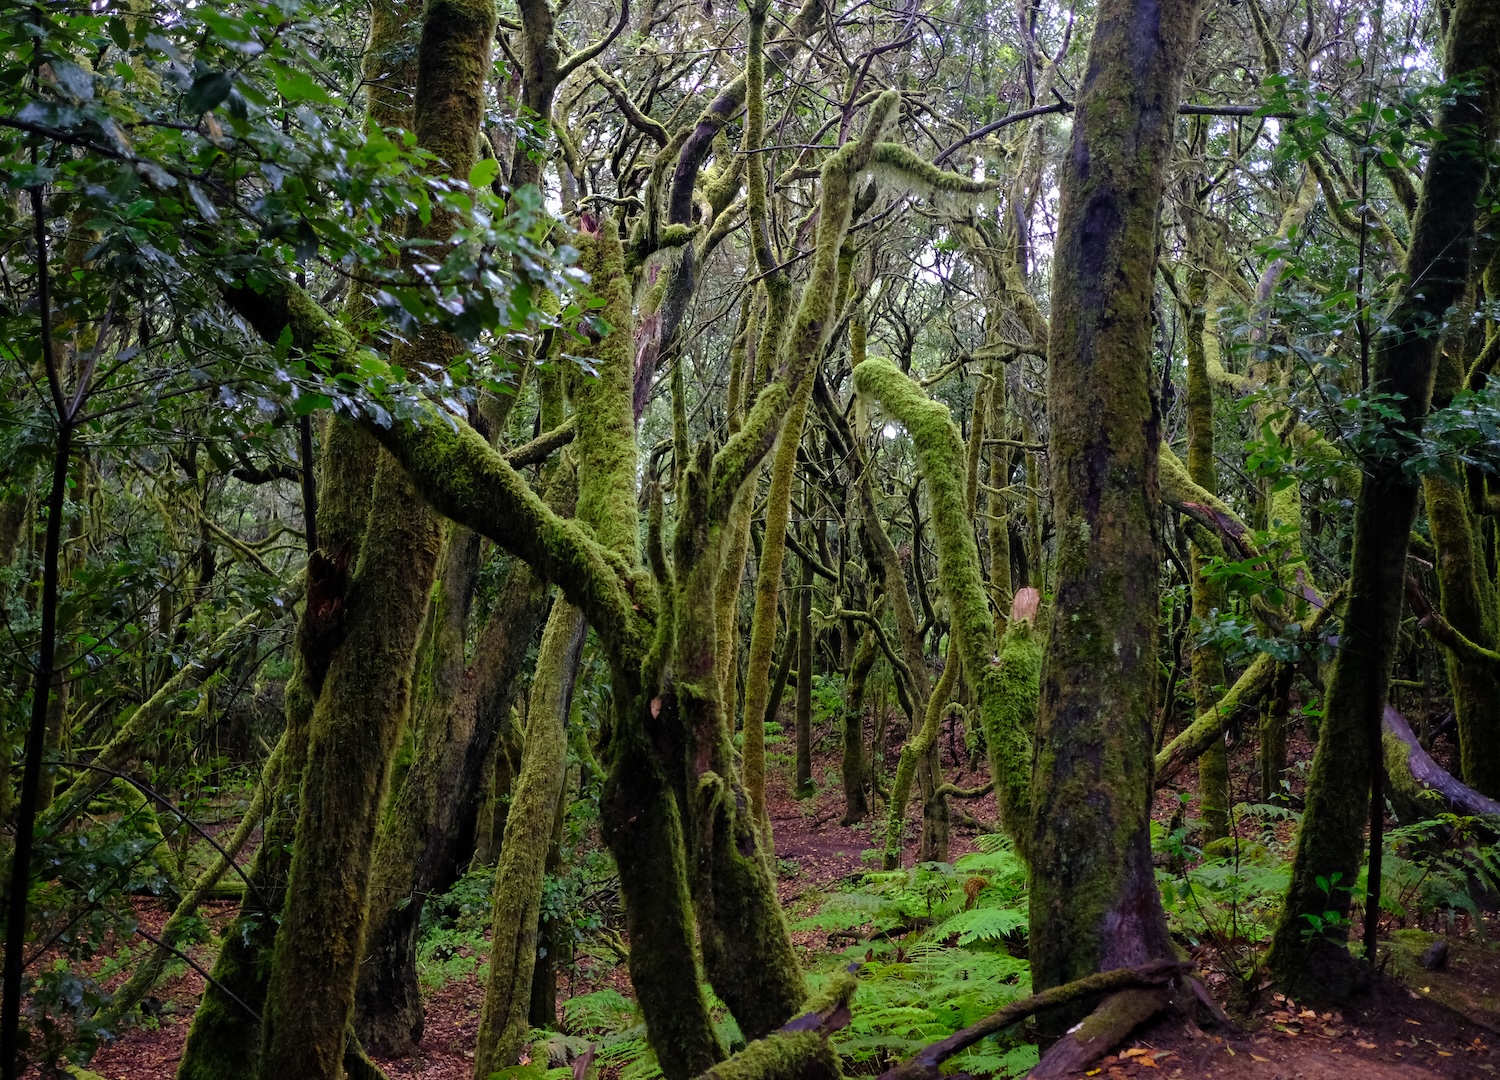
(1247, 689)
(1006, 689)
(541, 448)
(1445, 634)
(895, 166)
(812, 323)
(456, 470)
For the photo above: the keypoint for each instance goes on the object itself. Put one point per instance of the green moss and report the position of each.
(801, 1055)
(916, 750)
(1094, 903)
(1468, 604)
(356, 724)
(643, 829)
(504, 1027)
(602, 407)
(1005, 689)
(900, 169)
(767, 590)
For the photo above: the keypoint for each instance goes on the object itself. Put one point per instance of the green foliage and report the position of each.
(936, 957)
(452, 942)
(1229, 895)
(1440, 868)
(827, 698)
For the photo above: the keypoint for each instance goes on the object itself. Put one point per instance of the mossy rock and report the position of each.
(1469, 983)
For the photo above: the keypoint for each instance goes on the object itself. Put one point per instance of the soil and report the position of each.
(1396, 1032)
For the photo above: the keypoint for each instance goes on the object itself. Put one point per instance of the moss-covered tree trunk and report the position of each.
(1094, 903)
(802, 713)
(1207, 660)
(355, 727)
(1468, 603)
(430, 826)
(1329, 842)
(855, 765)
(365, 702)
(504, 1020)
(224, 1038)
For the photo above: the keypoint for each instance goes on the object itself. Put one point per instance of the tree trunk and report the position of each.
(224, 1039)
(1468, 603)
(1094, 903)
(428, 831)
(504, 1021)
(1437, 269)
(1207, 660)
(356, 725)
(856, 767)
(804, 778)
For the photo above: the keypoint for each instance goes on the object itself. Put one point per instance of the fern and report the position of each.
(982, 924)
(604, 1011)
(949, 966)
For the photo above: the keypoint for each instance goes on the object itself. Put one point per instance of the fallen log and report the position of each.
(1421, 780)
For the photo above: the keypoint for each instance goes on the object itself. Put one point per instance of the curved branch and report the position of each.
(1403, 753)
(628, 107)
(541, 447)
(589, 52)
(468, 481)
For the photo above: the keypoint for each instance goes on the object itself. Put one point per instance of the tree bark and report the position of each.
(1094, 903)
(504, 1021)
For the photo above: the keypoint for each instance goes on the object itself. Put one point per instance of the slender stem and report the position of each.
(309, 482)
(36, 736)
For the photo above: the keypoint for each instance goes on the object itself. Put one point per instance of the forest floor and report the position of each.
(1399, 1031)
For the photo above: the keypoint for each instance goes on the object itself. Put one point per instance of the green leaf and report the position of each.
(207, 92)
(483, 174)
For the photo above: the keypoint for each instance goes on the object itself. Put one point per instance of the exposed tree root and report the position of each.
(1132, 987)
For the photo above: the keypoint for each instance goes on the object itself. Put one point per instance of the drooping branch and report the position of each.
(1004, 684)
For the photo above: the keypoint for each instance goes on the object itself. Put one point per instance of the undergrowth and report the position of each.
(940, 946)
